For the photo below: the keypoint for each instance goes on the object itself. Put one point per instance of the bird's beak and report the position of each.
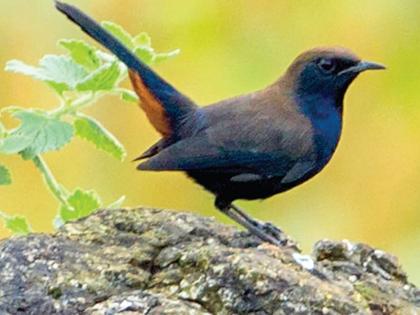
(363, 66)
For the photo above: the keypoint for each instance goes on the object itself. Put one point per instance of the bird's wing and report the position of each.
(199, 154)
(239, 141)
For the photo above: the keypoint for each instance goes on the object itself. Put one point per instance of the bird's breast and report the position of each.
(325, 116)
(327, 132)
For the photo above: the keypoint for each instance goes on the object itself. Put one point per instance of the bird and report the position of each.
(251, 146)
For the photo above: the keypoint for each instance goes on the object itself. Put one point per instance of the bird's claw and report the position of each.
(272, 230)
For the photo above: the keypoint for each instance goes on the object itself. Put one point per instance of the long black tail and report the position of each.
(97, 32)
(175, 105)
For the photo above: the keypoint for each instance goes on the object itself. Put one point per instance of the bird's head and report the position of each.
(326, 73)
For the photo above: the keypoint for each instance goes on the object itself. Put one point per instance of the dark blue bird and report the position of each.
(252, 146)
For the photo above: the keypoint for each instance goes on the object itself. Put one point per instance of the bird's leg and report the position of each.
(250, 224)
(265, 226)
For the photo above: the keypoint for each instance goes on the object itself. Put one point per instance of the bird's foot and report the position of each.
(267, 232)
(272, 230)
(281, 238)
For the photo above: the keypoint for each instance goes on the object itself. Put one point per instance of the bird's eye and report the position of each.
(326, 65)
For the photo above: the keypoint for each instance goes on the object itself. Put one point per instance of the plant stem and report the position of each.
(50, 180)
(74, 106)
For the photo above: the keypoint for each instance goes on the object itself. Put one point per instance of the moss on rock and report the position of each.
(151, 261)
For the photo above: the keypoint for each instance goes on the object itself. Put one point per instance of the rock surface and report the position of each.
(151, 261)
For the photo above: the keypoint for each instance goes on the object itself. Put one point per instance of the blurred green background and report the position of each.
(368, 193)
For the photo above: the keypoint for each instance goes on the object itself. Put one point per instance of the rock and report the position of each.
(151, 261)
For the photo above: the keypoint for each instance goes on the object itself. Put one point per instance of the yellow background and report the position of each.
(368, 193)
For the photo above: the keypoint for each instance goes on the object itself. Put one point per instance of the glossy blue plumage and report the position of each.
(326, 122)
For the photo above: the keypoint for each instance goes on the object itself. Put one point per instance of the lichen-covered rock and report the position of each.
(150, 261)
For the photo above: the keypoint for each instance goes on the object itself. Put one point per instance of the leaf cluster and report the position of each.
(79, 78)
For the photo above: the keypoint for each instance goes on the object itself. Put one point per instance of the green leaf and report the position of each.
(60, 72)
(159, 57)
(119, 32)
(2, 130)
(82, 53)
(18, 66)
(102, 79)
(82, 204)
(117, 203)
(16, 224)
(128, 95)
(15, 143)
(142, 39)
(91, 130)
(106, 57)
(5, 178)
(38, 133)
(146, 54)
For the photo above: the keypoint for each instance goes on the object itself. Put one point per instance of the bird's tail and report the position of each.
(165, 107)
